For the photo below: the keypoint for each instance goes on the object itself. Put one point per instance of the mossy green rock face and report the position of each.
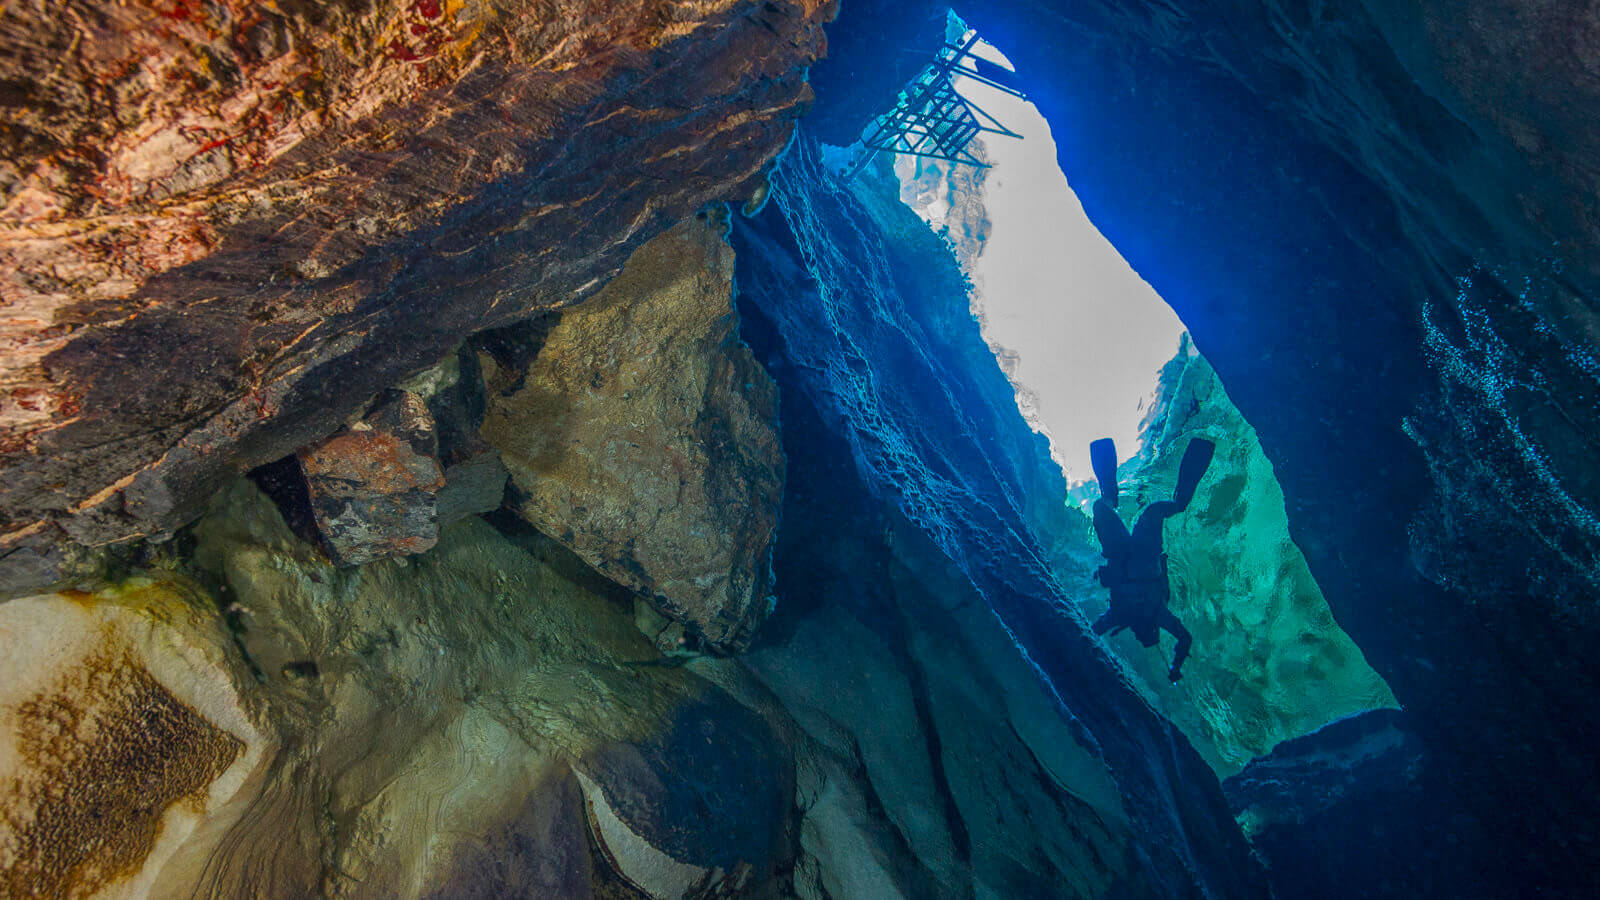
(1269, 662)
(643, 435)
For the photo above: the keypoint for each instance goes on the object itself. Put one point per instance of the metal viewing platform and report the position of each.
(932, 119)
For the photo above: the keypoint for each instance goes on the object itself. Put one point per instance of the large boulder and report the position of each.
(702, 803)
(643, 435)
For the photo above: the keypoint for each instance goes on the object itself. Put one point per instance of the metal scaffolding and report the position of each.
(932, 118)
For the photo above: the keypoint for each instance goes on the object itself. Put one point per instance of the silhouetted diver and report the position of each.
(1136, 569)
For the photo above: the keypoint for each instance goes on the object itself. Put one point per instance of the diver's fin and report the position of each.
(1103, 456)
(1196, 459)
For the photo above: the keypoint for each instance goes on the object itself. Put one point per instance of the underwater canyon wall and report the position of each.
(1377, 223)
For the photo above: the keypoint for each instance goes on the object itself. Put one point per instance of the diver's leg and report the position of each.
(1147, 531)
(1109, 529)
(1166, 620)
(1112, 620)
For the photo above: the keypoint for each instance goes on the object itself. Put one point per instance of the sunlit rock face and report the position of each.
(643, 435)
(950, 197)
(1269, 663)
(227, 227)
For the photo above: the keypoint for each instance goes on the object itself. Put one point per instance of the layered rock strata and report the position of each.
(643, 435)
(227, 227)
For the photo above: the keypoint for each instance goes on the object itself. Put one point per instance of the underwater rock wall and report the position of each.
(876, 334)
(934, 761)
(1302, 181)
(226, 227)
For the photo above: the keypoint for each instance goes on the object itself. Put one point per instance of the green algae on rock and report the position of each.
(643, 435)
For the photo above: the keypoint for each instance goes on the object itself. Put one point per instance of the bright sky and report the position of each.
(1090, 335)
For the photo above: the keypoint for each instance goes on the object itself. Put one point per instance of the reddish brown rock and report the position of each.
(375, 486)
(225, 226)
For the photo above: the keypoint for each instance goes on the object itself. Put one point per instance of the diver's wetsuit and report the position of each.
(1136, 569)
